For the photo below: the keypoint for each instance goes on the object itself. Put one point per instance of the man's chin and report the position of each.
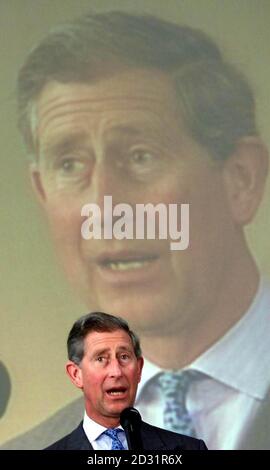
(116, 409)
(139, 311)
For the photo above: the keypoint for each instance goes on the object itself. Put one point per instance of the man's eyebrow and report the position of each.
(125, 348)
(127, 134)
(132, 130)
(67, 142)
(99, 352)
(64, 143)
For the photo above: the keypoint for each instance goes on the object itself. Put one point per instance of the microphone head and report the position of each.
(5, 388)
(130, 416)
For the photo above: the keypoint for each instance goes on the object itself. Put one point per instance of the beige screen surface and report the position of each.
(37, 305)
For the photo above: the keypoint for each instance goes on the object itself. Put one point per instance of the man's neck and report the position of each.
(184, 343)
(105, 421)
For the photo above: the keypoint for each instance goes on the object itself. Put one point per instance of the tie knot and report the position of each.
(177, 382)
(113, 434)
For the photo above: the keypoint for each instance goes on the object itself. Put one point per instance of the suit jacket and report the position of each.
(153, 438)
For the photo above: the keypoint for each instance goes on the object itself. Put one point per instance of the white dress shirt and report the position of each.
(237, 378)
(97, 439)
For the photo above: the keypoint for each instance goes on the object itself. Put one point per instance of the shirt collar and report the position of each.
(149, 371)
(92, 429)
(240, 359)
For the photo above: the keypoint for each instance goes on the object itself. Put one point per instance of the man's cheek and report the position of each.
(64, 222)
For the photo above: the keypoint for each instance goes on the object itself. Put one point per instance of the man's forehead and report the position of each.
(134, 85)
(144, 99)
(108, 339)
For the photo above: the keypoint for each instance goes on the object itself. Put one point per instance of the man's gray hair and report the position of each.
(100, 322)
(214, 98)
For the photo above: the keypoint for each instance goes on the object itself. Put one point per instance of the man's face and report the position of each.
(123, 136)
(109, 374)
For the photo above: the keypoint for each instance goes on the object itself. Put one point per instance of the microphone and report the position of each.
(130, 420)
(5, 388)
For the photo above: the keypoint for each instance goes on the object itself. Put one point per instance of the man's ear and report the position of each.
(75, 374)
(140, 368)
(245, 174)
(37, 183)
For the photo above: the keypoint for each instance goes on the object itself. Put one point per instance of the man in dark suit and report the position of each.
(105, 362)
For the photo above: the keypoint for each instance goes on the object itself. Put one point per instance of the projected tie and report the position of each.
(174, 387)
(116, 443)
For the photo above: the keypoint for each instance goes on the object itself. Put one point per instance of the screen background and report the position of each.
(37, 306)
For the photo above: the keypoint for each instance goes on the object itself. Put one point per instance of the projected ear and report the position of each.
(245, 174)
(37, 183)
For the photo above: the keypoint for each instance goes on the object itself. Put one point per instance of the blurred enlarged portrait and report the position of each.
(136, 184)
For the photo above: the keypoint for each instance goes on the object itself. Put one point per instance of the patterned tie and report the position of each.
(174, 387)
(113, 434)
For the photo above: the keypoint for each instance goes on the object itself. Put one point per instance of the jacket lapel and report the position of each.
(77, 440)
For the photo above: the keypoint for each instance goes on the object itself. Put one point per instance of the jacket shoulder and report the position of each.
(156, 438)
(53, 428)
(76, 440)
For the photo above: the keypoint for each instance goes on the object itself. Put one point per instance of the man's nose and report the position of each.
(115, 369)
(106, 180)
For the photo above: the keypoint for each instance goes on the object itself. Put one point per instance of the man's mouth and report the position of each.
(126, 262)
(126, 265)
(116, 391)
(127, 268)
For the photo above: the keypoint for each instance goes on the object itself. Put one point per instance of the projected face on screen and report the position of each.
(124, 137)
(121, 112)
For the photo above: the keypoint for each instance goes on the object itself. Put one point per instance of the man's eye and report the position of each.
(71, 165)
(101, 360)
(124, 357)
(141, 157)
(143, 162)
